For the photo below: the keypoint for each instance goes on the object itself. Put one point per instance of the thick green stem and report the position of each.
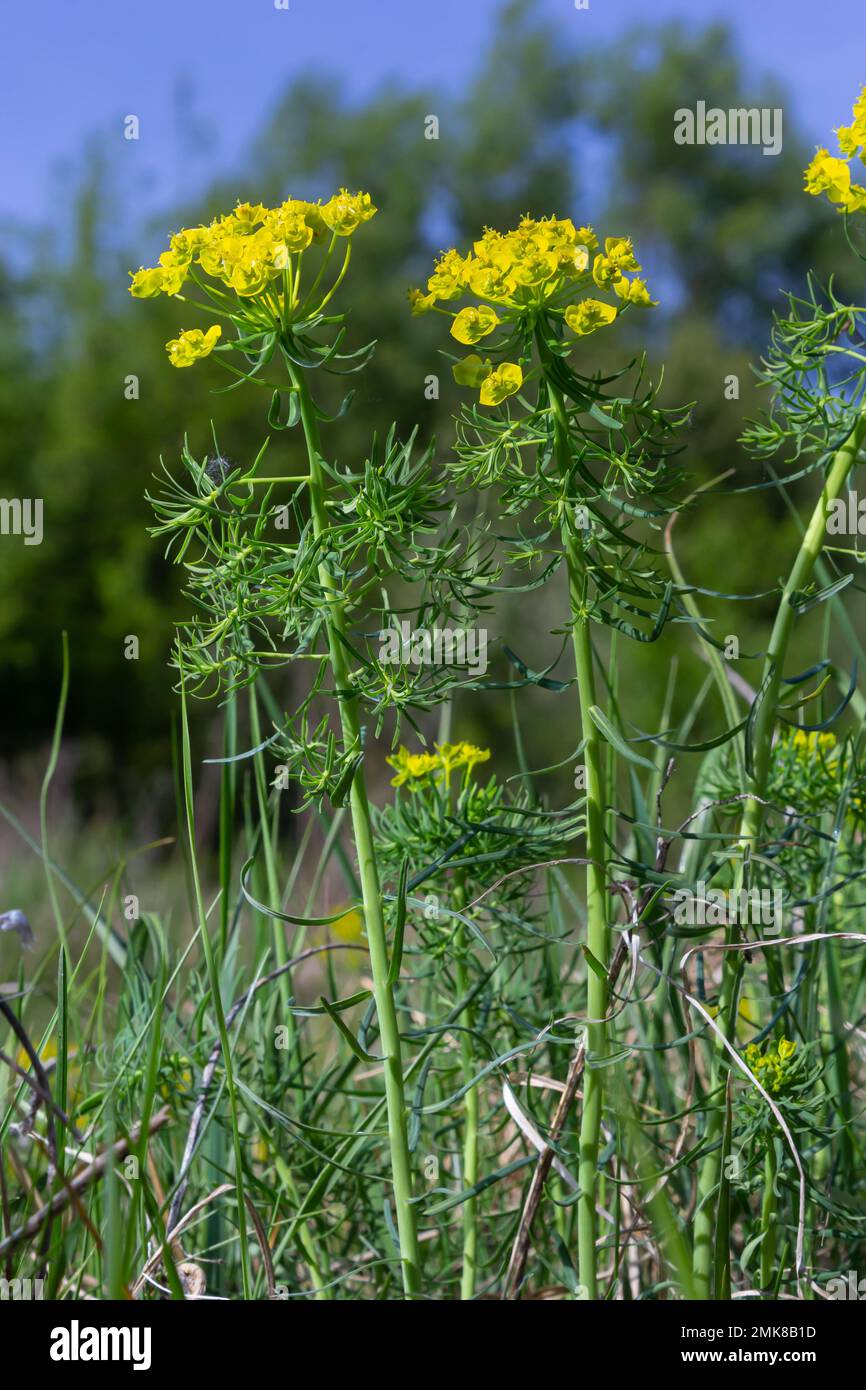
(367, 870)
(596, 890)
(597, 941)
(750, 829)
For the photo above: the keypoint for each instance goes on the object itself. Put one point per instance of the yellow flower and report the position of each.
(191, 345)
(634, 292)
(174, 271)
(146, 284)
(533, 269)
(218, 254)
(471, 371)
(502, 382)
(472, 755)
(448, 278)
(188, 241)
(771, 1068)
(288, 227)
(345, 212)
(254, 267)
(471, 325)
(166, 278)
(412, 766)
(605, 273)
(827, 174)
(490, 282)
(248, 214)
(620, 252)
(849, 139)
(589, 315)
(495, 251)
(420, 303)
(456, 755)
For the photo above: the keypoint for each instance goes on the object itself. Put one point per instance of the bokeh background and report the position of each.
(542, 108)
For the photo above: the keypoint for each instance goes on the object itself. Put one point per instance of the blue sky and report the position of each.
(75, 68)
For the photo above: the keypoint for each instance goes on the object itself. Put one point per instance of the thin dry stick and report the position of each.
(520, 1249)
(92, 1173)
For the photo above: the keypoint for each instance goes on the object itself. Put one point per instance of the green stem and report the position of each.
(596, 889)
(750, 828)
(840, 1064)
(769, 1219)
(367, 868)
(469, 1272)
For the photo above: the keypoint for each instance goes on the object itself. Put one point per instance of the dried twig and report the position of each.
(520, 1249)
(73, 1189)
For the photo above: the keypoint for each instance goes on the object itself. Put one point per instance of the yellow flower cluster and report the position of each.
(831, 174)
(522, 271)
(247, 249)
(808, 744)
(448, 757)
(771, 1067)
